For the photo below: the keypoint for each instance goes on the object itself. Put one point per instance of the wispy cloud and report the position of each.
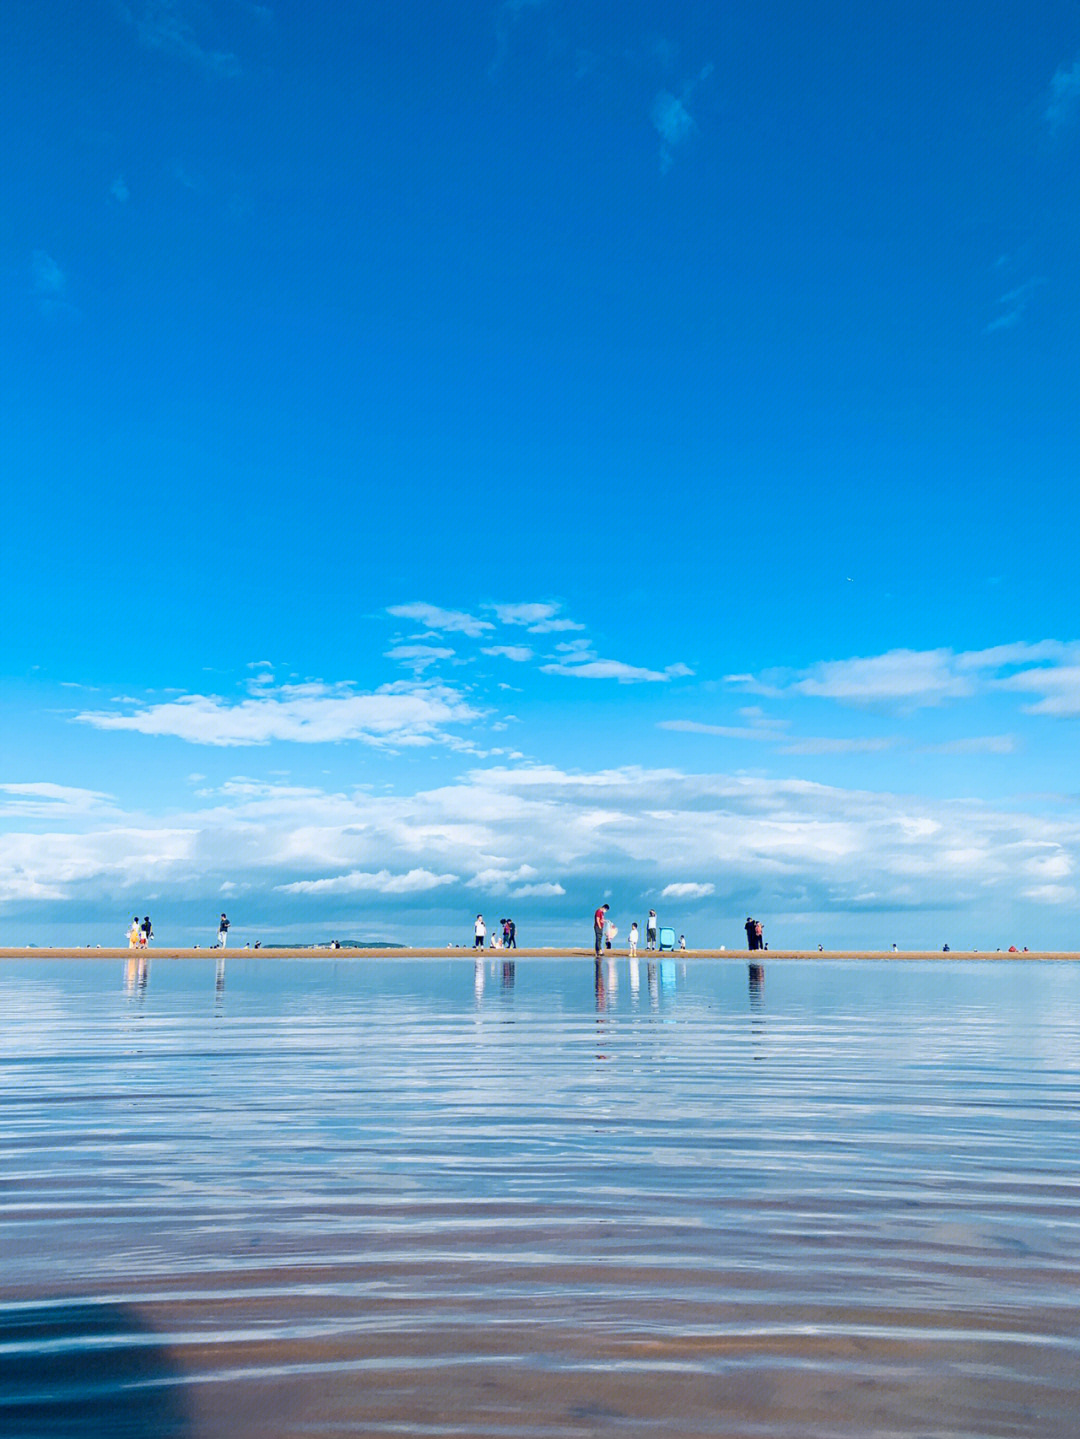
(54, 802)
(518, 653)
(766, 733)
(854, 744)
(1012, 306)
(540, 619)
(1063, 105)
(592, 668)
(672, 119)
(506, 19)
(774, 732)
(907, 680)
(162, 25)
(50, 285)
(418, 657)
(975, 744)
(435, 618)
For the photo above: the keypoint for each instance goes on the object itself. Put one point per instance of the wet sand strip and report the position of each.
(323, 952)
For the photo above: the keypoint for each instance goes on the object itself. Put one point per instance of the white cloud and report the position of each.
(452, 621)
(514, 828)
(500, 880)
(119, 190)
(518, 653)
(685, 890)
(315, 713)
(1051, 893)
(925, 677)
(115, 860)
(1060, 688)
(383, 882)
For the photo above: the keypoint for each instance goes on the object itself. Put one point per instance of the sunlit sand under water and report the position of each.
(261, 1198)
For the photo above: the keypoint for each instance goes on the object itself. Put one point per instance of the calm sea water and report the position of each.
(538, 1198)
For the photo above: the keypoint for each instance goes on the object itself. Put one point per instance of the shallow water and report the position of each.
(429, 1197)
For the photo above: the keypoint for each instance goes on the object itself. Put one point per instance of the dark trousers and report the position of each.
(598, 936)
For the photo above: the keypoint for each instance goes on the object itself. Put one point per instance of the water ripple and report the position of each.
(418, 1197)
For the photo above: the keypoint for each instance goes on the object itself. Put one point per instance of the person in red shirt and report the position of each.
(598, 920)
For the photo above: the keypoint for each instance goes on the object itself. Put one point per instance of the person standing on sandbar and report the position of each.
(223, 931)
(598, 921)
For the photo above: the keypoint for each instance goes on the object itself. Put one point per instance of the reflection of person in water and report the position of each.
(757, 980)
(598, 986)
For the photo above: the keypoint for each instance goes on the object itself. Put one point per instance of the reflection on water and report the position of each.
(757, 985)
(86, 1370)
(137, 973)
(408, 1196)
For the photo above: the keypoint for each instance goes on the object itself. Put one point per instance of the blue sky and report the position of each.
(493, 457)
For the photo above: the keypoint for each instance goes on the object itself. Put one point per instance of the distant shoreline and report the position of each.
(526, 952)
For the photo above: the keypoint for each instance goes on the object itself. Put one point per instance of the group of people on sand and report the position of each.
(755, 937)
(505, 937)
(140, 933)
(604, 931)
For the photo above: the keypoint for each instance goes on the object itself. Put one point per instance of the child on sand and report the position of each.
(631, 940)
